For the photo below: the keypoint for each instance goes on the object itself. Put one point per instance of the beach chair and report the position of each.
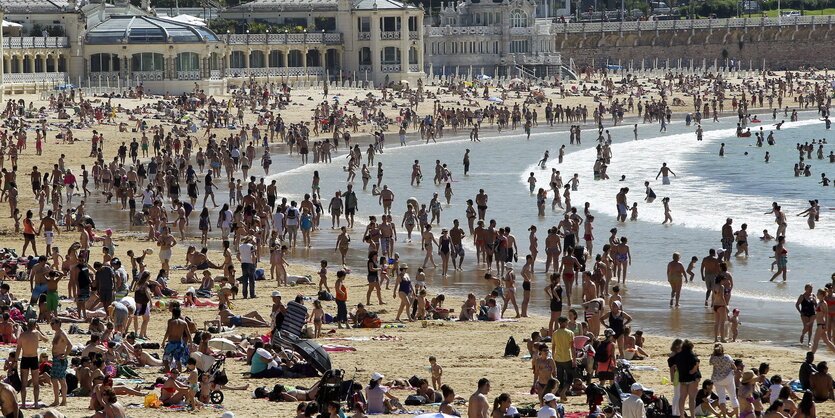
(294, 319)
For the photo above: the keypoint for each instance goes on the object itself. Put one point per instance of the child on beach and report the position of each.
(420, 280)
(766, 236)
(317, 315)
(437, 372)
(633, 212)
(384, 272)
(733, 320)
(193, 383)
(691, 266)
(16, 217)
(420, 301)
(323, 276)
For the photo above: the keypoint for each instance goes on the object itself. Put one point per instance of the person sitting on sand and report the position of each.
(468, 309)
(820, 384)
(380, 400)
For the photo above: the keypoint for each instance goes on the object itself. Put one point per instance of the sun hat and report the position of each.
(276, 293)
(747, 377)
(377, 376)
(549, 397)
(609, 332)
(638, 386)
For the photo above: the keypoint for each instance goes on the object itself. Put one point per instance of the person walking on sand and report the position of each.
(675, 276)
(665, 172)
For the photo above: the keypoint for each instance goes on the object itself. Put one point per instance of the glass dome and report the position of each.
(147, 30)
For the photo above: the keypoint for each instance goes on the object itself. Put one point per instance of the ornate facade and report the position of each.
(104, 44)
(508, 37)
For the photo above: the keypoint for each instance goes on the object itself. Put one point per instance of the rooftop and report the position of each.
(33, 6)
(147, 29)
(318, 5)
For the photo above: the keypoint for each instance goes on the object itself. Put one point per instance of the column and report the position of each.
(376, 62)
(419, 44)
(404, 43)
(43, 63)
(246, 58)
(267, 53)
(32, 63)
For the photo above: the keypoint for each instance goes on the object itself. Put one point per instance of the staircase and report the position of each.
(525, 72)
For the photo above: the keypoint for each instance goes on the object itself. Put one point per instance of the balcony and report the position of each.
(414, 35)
(36, 42)
(414, 68)
(390, 35)
(364, 68)
(215, 75)
(463, 31)
(365, 36)
(284, 38)
(36, 78)
(188, 75)
(148, 75)
(390, 68)
(275, 72)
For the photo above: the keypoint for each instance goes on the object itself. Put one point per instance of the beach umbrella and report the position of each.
(495, 99)
(483, 77)
(516, 80)
(435, 415)
(222, 344)
(314, 353)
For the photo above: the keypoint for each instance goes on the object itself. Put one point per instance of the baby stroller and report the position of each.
(334, 387)
(217, 376)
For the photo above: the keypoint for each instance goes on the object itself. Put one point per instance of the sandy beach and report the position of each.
(468, 351)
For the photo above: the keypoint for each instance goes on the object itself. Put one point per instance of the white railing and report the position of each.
(188, 75)
(216, 75)
(284, 38)
(689, 24)
(390, 68)
(463, 30)
(365, 36)
(15, 78)
(365, 68)
(108, 78)
(521, 31)
(414, 35)
(387, 35)
(274, 72)
(413, 68)
(147, 75)
(36, 42)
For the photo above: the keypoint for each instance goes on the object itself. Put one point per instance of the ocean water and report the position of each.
(707, 189)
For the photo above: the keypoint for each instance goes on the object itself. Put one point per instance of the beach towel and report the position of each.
(335, 348)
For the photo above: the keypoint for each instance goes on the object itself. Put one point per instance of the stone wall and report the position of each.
(780, 48)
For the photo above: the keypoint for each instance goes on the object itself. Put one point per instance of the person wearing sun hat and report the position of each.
(549, 409)
(376, 394)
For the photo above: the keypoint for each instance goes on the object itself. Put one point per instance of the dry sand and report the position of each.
(467, 351)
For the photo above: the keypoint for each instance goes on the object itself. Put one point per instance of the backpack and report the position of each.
(292, 213)
(602, 353)
(511, 349)
(415, 400)
(325, 296)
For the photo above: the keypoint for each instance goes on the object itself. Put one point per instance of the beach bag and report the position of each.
(325, 296)
(414, 381)
(415, 400)
(511, 349)
(372, 323)
(602, 353)
(152, 401)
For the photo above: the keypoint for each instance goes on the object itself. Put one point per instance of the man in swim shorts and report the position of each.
(709, 270)
(177, 336)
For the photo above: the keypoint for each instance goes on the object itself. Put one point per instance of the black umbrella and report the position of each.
(313, 353)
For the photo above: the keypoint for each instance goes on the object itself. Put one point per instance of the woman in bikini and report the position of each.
(720, 309)
(545, 373)
(554, 292)
(821, 318)
(409, 222)
(569, 267)
(427, 241)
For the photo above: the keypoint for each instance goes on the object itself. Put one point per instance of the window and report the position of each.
(364, 24)
(276, 59)
(104, 63)
(518, 47)
(188, 61)
(365, 56)
(237, 60)
(256, 59)
(413, 26)
(390, 55)
(518, 19)
(147, 61)
(413, 55)
(390, 24)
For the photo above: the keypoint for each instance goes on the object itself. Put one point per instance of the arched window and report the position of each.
(256, 59)
(147, 61)
(518, 19)
(295, 58)
(365, 56)
(237, 60)
(188, 61)
(413, 55)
